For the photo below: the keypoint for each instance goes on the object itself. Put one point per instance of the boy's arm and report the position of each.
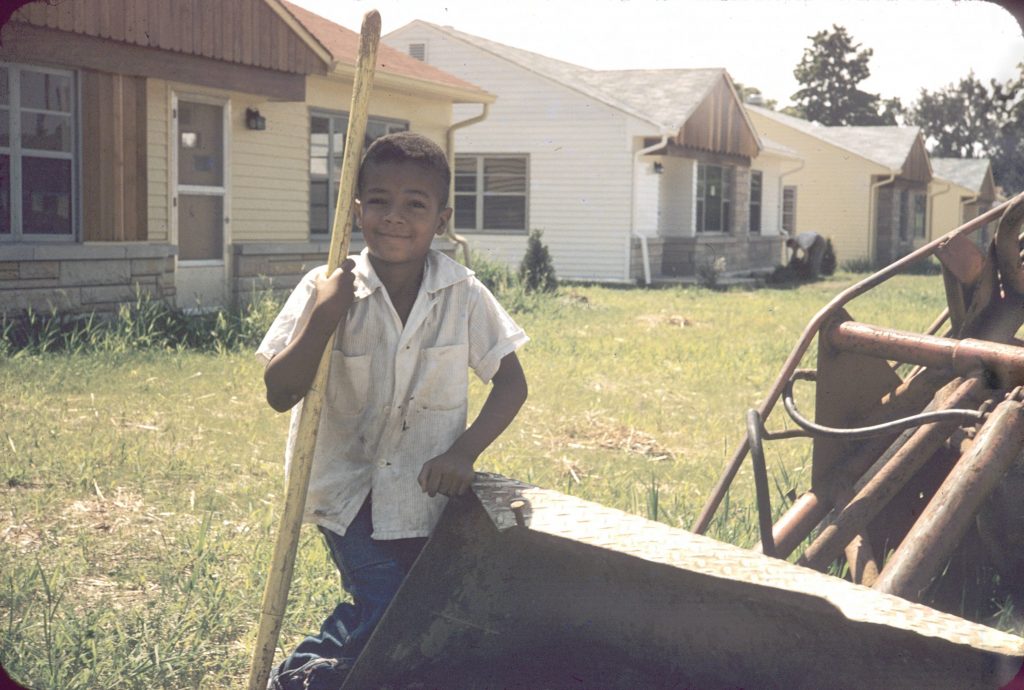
(290, 373)
(451, 473)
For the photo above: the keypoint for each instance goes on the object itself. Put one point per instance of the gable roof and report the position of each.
(343, 46)
(665, 98)
(890, 146)
(970, 173)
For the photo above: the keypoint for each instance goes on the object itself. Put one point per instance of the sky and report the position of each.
(917, 43)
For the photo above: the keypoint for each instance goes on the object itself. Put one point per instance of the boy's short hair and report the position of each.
(409, 147)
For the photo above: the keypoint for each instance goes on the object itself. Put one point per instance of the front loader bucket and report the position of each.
(521, 587)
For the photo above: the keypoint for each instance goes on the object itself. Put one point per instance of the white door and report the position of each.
(200, 204)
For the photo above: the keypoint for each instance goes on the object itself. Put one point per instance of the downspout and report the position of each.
(450, 233)
(644, 250)
(781, 202)
(872, 220)
(931, 209)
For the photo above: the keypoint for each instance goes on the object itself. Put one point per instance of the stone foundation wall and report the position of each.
(683, 256)
(82, 278)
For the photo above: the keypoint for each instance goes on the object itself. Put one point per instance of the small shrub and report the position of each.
(495, 275)
(536, 270)
(861, 264)
(709, 270)
(828, 259)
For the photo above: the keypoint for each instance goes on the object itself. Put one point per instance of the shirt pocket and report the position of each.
(349, 383)
(443, 378)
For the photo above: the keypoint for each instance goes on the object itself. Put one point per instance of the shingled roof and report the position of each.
(888, 146)
(662, 97)
(343, 45)
(966, 172)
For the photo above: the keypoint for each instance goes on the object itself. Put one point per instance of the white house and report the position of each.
(628, 173)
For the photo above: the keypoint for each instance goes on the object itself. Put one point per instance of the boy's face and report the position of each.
(399, 212)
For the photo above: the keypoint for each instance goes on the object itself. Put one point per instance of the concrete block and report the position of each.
(40, 300)
(39, 269)
(148, 267)
(101, 272)
(107, 293)
(8, 270)
(17, 252)
(79, 252)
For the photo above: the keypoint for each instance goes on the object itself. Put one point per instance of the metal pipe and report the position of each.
(812, 507)
(949, 514)
(450, 141)
(755, 433)
(632, 211)
(804, 342)
(880, 489)
(1005, 362)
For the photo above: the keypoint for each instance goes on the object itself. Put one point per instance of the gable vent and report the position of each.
(418, 51)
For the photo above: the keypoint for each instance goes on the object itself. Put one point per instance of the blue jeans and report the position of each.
(371, 572)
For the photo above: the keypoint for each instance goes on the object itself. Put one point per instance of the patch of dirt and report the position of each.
(576, 299)
(597, 431)
(670, 320)
(110, 527)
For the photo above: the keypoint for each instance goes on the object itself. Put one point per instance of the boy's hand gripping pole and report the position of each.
(275, 596)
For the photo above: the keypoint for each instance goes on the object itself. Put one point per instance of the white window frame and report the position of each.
(392, 125)
(480, 194)
(223, 191)
(791, 228)
(14, 152)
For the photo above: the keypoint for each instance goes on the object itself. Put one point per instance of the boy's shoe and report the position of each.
(318, 674)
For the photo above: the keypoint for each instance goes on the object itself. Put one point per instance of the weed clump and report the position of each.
(147, 323)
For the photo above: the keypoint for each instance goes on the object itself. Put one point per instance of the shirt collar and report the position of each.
(439, 272)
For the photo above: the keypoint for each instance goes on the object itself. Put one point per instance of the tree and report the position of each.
(753, 96)
(1007, 152)
(958, 121)
(829, 72)
(969, 120)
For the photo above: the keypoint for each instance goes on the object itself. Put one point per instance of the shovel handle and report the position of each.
(275, 595)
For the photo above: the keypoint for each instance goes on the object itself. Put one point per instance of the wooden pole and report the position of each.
(275, 596)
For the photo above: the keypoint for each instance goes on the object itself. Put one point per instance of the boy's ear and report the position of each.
(442, 221)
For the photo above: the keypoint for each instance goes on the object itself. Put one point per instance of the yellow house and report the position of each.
(190, 149)
(962, 189)
(865, 188)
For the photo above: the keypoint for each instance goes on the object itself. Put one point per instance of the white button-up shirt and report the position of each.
(396, 397)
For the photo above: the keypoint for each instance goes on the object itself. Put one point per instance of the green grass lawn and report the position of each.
(141, 490)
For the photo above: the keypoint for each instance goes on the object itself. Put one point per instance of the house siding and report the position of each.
(677, 195)
(579, 152)
(273, 248)
(834, 189)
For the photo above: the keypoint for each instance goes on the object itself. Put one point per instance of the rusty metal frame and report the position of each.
(1013, 207)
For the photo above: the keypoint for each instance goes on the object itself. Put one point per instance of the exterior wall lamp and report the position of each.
(253, 119)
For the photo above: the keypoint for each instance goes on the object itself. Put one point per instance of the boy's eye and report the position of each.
(417, 204)
(376, 200)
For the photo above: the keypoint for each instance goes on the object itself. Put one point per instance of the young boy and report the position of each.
(392, 442)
